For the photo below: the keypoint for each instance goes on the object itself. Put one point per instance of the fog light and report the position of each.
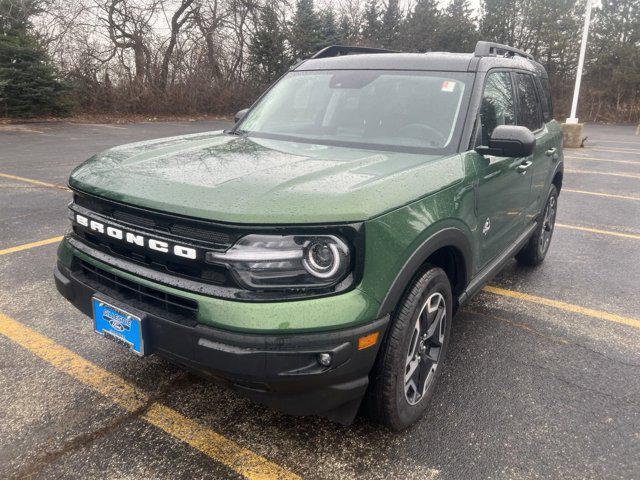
(324, 359)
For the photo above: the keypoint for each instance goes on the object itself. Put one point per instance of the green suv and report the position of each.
(312, 257)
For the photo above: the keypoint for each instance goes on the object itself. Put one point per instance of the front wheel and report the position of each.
(536, 249)
(404, 377)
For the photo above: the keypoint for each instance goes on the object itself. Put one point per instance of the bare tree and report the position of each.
(128, 26)
(195, 55)
(210, 17)
(181, 15)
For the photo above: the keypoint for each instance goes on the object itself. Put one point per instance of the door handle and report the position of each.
(522, 168)
(552, 152)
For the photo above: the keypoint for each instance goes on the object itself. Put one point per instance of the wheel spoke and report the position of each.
(434, 328)
(412, 366)
(433, 305)
(415, 342)
(433, 354)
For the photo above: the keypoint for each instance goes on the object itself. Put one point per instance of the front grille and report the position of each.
(182, 230)
(212, 235)
(204, 272)
(188, 231)
(136, 220)
(152, 300)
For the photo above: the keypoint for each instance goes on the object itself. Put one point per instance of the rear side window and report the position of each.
(529, 114)
(497, 106)
(545, 98)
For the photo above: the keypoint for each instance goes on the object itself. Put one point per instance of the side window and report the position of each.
(497, 106)
(529, 114)
(545, 96)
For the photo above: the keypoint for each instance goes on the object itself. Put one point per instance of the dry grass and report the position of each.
(112, 118)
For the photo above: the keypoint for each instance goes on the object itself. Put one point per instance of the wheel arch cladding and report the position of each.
(557, 179)
(449, 249)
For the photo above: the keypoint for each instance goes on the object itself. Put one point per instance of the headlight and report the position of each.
(286, 261)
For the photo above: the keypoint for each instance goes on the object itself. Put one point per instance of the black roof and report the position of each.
(432, 61)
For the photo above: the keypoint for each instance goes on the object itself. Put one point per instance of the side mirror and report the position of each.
(238, 116)
(509, 141)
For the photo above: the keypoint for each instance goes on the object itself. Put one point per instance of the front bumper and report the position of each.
(278, 370)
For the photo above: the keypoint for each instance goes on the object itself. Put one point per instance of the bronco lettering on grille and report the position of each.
(136, 239)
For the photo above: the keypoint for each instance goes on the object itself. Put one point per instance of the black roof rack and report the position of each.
(490, 49)
(338, 50)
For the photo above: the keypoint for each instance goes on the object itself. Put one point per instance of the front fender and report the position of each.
(447, 237)
(397, 243)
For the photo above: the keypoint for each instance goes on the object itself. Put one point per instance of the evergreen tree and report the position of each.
(305, 36)
(28, 83)
(267, 51)
(371, 23)
(458, 32)
(390, 28)
(328, 28)
(421, 31)
(499, 21)
(613, 60)
(345, 31)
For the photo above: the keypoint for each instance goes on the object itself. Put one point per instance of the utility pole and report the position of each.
(583, 48)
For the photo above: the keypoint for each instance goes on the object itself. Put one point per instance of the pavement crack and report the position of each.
(562, 341)
(614, 360)
(572, 384)
(522, 326)
(85, 440)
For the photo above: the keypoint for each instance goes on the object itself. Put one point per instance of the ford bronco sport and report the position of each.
(312, 256)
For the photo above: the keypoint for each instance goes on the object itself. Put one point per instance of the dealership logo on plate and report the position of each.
(118, 322)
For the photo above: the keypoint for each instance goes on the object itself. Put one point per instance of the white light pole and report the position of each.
(583, 48)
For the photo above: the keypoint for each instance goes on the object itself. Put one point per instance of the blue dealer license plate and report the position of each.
(119, 325)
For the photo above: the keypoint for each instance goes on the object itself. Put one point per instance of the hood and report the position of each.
(236, 179)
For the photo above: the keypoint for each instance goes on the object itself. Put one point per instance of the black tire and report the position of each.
(389, 399)
(536, 249)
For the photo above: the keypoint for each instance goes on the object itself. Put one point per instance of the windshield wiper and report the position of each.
(235, 131)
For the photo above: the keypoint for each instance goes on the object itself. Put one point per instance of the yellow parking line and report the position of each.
(610, 160)
(616, 141)
(616, 150)
(595, 172)
(600, 194)
(131, 398)
(27, 246)
(633, 236)
(34, 182)
(568, 307)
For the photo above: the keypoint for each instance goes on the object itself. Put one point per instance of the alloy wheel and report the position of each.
(548, 223)
(425, 347)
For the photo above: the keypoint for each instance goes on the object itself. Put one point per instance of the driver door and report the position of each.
(503, 189)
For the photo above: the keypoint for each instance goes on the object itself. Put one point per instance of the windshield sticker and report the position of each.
(448, 86)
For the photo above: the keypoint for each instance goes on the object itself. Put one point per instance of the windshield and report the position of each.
(393, 110)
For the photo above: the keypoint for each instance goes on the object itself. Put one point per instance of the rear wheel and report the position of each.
(409, 364)
(536, 249)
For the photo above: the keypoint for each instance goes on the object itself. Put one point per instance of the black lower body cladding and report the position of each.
(280, 371)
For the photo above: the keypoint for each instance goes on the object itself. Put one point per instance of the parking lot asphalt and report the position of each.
(542, 378)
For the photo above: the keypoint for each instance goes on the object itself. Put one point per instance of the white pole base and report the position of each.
(571, 120)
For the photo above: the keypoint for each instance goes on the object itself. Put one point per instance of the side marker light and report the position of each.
(368, 340)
